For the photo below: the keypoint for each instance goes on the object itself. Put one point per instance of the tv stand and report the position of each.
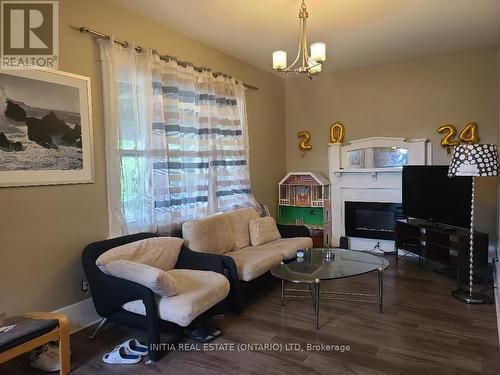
(433, 225)
(445, 245)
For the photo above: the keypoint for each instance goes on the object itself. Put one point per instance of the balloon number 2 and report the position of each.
(468, 135)
(304, 144)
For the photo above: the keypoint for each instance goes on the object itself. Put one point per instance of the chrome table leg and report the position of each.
(313, 298)
(380, 290)
(316, 301)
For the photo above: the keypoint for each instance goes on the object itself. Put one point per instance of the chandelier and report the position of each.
(311, 64)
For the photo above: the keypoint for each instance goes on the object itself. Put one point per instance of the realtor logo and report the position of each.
(29, 34)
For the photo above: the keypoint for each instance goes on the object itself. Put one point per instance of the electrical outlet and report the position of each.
(85, 286)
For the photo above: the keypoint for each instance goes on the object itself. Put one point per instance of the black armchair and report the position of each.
(109, 293)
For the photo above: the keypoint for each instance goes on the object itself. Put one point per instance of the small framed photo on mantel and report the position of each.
(45, 128)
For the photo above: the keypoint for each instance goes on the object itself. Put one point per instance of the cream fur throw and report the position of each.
(158, 252)
(160, 282)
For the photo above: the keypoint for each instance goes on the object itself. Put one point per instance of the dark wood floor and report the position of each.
(422, 331)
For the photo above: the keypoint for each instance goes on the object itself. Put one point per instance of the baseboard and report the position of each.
(496, 275)
(81, 314)
(368, 244)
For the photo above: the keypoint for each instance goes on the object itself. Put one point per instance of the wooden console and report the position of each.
(442, 244)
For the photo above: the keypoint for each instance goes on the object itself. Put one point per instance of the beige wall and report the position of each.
(43, 229)
(409, 99)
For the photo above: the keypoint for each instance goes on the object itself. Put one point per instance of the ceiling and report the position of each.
(357, 33)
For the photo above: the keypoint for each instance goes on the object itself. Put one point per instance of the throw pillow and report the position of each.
(240, 220)
(263, 230)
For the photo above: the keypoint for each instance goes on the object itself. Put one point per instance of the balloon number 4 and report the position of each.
(469, 134)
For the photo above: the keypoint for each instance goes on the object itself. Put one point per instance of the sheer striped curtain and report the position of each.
(176, 141)
(200, 139)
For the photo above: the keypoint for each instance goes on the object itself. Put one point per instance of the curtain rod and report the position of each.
(124, 43)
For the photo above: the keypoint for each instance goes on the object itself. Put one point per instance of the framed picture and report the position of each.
(356, 159)
(45, 128)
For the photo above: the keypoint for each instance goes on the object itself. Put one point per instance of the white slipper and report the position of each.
(119, 356)
(133, 346)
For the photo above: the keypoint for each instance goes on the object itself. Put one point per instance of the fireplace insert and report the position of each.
(371, 219)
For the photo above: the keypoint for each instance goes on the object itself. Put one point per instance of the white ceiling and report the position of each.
(357, 32)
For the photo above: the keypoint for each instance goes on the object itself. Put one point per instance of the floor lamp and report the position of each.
(473, 160)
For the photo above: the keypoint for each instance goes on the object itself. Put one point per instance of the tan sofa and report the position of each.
(228, 234)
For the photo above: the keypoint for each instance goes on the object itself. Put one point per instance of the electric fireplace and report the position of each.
(371, 219)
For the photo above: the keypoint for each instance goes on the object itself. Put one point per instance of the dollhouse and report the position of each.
(304, 199)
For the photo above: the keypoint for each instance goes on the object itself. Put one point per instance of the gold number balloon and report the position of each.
(337, 132)
(448, 140)
(469, 134)
(304, 142)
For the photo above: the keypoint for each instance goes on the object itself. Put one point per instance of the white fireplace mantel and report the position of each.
(355, 183)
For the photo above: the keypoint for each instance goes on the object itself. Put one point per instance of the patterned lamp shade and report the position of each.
(474, 160)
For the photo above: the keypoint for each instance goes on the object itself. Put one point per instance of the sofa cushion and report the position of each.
(153, 278)
(197, 292)
(251, 264)
(263, 230)
(159, 252)
(211, 234)
(239, 224)
(287, 247)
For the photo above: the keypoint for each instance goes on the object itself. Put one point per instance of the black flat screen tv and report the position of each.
(429, 194)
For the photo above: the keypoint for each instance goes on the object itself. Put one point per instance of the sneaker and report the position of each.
(45, 358)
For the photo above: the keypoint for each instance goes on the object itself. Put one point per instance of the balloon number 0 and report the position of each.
(467, 135)
(337, 132)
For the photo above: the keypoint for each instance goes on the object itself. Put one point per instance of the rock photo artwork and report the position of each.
(45, 128)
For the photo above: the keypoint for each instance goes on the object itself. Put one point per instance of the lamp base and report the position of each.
(471, 298)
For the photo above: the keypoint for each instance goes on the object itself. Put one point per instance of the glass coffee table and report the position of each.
(321, 264)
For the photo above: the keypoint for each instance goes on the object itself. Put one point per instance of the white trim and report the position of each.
(368, 244)
(81, 315)
(368, 184)
(419, 151)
